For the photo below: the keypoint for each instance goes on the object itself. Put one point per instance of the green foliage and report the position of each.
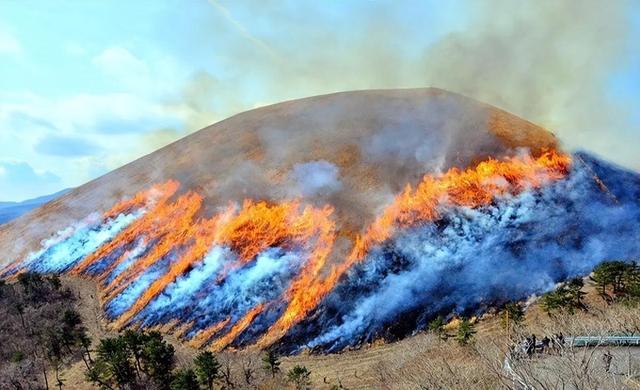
(271, 362)
(512, 314)
(113, 365)
(131, 359)
(437, 325)
(299, 376)
(465, 332)
(621, 278)
(157, 358)
(567, 297)
(207, 369)
(185, 379)
(17, 357)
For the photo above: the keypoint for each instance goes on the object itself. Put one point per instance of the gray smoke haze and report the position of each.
(316, 179)
(547, 61)
(520, 246)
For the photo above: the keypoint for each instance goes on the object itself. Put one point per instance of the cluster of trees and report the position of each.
(143, 360)
(618, 280)
(40, 332)
(464, 333)
(615, 281)
(568, 297)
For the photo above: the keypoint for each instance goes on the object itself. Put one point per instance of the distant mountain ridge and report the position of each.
(12, 210)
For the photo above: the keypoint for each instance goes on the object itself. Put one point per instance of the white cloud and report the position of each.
(119, 62)
(154, 75)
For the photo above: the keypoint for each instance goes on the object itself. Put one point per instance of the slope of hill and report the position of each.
(12, 210)
(379, 140)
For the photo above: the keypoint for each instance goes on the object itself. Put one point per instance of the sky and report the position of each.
(87, 86)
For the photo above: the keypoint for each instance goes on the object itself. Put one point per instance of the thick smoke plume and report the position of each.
(257, 273)
(548, 61)
(475, 258)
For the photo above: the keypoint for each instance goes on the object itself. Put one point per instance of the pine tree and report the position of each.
(185, 379)
(157, 359)
(465, 332)
(271, 362)
(207, 369)
(299, 376)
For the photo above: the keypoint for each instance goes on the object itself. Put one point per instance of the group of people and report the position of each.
(531, 345)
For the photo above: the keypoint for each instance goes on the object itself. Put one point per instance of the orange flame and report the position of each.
(171, 226)
(203, 336)
(238, 328)
(473, 187)
(257, 226)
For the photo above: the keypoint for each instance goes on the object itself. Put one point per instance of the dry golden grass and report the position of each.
(425, 360)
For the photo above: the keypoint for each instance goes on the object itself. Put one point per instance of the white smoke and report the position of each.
(74, 243)
(520, 246)
(316, 179)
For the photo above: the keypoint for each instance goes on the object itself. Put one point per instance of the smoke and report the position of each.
(475, 258)
(465, 261)
(201, 297)
(548, 61)
(75, 242)
(316, 179)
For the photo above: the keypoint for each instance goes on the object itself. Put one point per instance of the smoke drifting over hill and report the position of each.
(524, 57)
(260, 273)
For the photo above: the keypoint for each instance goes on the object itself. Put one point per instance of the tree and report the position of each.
(207, 369)
(157, 359)
(567, 297)
(512, 314)
(574, 293)
(112, 366)
(299, 376)
(185, 379)
(134, 342)
(271, 362)
(465, 332)
(609, 273)
(437, 325)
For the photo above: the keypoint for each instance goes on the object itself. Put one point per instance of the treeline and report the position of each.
(143, 360)
(40, 332)
(616, 281)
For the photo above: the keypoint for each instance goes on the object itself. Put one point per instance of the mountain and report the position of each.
(380, 140)
(333, 221)
(12, 210)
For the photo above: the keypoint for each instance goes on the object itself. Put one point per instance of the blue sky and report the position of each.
(86, 86)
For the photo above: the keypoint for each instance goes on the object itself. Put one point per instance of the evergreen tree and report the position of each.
(465, 332)
(207, 369)
(157, 359)
(185, 379)
(609, 273)
(271, 362)
(112, 367)
(134, 342)
(299, 376)
(512, 314)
